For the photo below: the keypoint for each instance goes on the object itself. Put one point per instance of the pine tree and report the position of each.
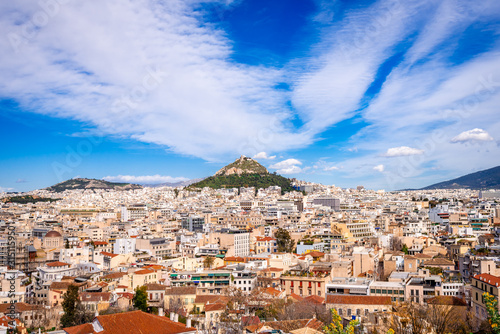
(69, 305)
(140, 299)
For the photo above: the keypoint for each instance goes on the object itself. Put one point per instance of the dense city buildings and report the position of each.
(199, 253)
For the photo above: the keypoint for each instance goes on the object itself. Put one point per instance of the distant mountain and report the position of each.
(174, 184)
(485, 179)
(27, 199)
(244, 172)
(91, 184)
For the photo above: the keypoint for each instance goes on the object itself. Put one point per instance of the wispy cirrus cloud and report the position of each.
(144, 179)
(263, 155)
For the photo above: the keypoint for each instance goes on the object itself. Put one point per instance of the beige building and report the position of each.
(480, 284)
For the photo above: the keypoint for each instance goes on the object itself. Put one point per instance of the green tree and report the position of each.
(404, 249)
(492, 308)
(336, 326)
(140, 299)
(66, 245)
(70, 307)
(284, 241)
(208, 262)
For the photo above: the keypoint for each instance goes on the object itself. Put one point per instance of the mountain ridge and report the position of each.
(84, 183)
(481, 180)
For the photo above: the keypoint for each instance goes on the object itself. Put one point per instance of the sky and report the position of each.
(386, 94)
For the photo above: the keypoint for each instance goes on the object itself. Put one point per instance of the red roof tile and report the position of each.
(132, 323)
(489, 279)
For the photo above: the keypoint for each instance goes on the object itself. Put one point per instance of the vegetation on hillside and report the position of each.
(245, 180)
(28, 199)
(91, 184)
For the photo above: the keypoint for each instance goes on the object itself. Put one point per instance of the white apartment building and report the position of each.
(246, 281)
(241, 244)
(124, 246)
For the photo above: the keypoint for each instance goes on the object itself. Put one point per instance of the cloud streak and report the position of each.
(145, 179)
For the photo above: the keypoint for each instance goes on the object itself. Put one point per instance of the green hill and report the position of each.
(27, 199)
(91, 184)
(245, 180)
(244, 172)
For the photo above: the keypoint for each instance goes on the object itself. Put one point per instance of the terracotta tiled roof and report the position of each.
(272, 291)
(215, 307)
(296, 296)
(358, 300)
(57, 264)
(154, 287)
(95, 296)
(109, 254)
(264, 239)
(315, 299)
(132, 323)
(144, 272)
(203, 299)
(114, 276)
(439, 262)
(316, 254)
(250, 320)
(181, 290)
(289, 325)
(489, 279)
(100, 243)
(447, 300)
(20, 307)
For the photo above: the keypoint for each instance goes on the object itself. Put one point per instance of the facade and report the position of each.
(124, 246)
(241, 244)
(358, 307)
(480, 284)
(332, 203)
(307, 285)
(193, 224)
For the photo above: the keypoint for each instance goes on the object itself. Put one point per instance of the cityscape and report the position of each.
(249, 167)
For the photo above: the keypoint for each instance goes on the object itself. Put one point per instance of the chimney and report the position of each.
(172, 316)
(188, 322)
(176, 317)
(160, 312)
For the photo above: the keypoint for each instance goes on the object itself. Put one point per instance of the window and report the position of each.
(348, 312)
(340, 311)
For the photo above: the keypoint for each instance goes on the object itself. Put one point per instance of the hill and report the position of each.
(91, 184)
(244, 172)
(243, 165)
(485, 179)
(27, 199)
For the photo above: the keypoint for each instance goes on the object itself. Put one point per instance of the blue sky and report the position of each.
(387, 94)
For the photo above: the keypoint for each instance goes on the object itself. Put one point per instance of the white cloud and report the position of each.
(402, 151)
(288, 166)
(145, 179)
(147, 70)
(379, 168)
(4, 189)
(473, 135)
(330, 168)
(289, 170)
(285, 163)
(263, 155)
